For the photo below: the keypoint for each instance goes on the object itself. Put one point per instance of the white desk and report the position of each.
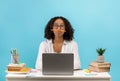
(79, 75)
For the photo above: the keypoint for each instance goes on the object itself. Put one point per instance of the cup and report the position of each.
(14, 58)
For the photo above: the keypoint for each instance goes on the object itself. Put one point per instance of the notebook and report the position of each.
(57, 64)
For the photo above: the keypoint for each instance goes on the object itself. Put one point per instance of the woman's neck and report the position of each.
(58, 40)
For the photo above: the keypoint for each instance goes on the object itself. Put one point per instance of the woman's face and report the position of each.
(58, 28)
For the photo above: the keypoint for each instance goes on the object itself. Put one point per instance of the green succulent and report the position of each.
(100, 51)
(14, 51)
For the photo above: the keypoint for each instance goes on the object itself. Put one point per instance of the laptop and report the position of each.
(57, 64)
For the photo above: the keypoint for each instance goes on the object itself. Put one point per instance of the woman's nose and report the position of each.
(59, 28)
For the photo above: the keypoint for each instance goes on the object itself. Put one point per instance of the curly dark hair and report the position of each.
(68, 35)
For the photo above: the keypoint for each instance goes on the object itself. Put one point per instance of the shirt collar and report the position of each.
(65, 42)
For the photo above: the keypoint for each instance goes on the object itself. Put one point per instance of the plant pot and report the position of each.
(100, 58)
(15, 59)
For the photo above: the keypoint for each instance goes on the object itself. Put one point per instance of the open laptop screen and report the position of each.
(54, 63)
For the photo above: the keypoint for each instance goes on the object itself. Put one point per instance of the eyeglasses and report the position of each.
(56, 26)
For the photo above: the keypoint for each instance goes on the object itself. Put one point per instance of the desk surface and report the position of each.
(78, 75)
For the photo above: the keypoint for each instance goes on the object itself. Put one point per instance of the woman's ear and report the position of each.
(51, 29)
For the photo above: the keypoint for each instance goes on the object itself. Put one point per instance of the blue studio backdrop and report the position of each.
(96, 24)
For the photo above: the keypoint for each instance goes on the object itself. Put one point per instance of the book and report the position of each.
(15, 67)
(99, 69)
(22, 71)
(98, 64)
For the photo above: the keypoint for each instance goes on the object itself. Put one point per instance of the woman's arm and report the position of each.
(77, 64)
(39, 57)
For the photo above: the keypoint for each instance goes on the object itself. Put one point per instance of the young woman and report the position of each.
(59, 39)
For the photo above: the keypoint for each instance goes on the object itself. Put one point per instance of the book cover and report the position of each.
(99, 69)
(98, 64)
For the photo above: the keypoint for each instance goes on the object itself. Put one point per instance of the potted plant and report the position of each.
(100, 57)
(14, 56)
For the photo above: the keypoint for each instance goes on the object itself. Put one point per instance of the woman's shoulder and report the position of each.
(72, 42)
(46, 42)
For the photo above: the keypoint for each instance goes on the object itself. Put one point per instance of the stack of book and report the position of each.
(15, 67)
(99, 67)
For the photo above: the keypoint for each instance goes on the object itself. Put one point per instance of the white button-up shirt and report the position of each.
(68, 47)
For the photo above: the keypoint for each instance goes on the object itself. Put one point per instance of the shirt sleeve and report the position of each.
(39, 57)
(77, 64)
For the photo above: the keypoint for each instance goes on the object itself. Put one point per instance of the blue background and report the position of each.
(96, 24)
